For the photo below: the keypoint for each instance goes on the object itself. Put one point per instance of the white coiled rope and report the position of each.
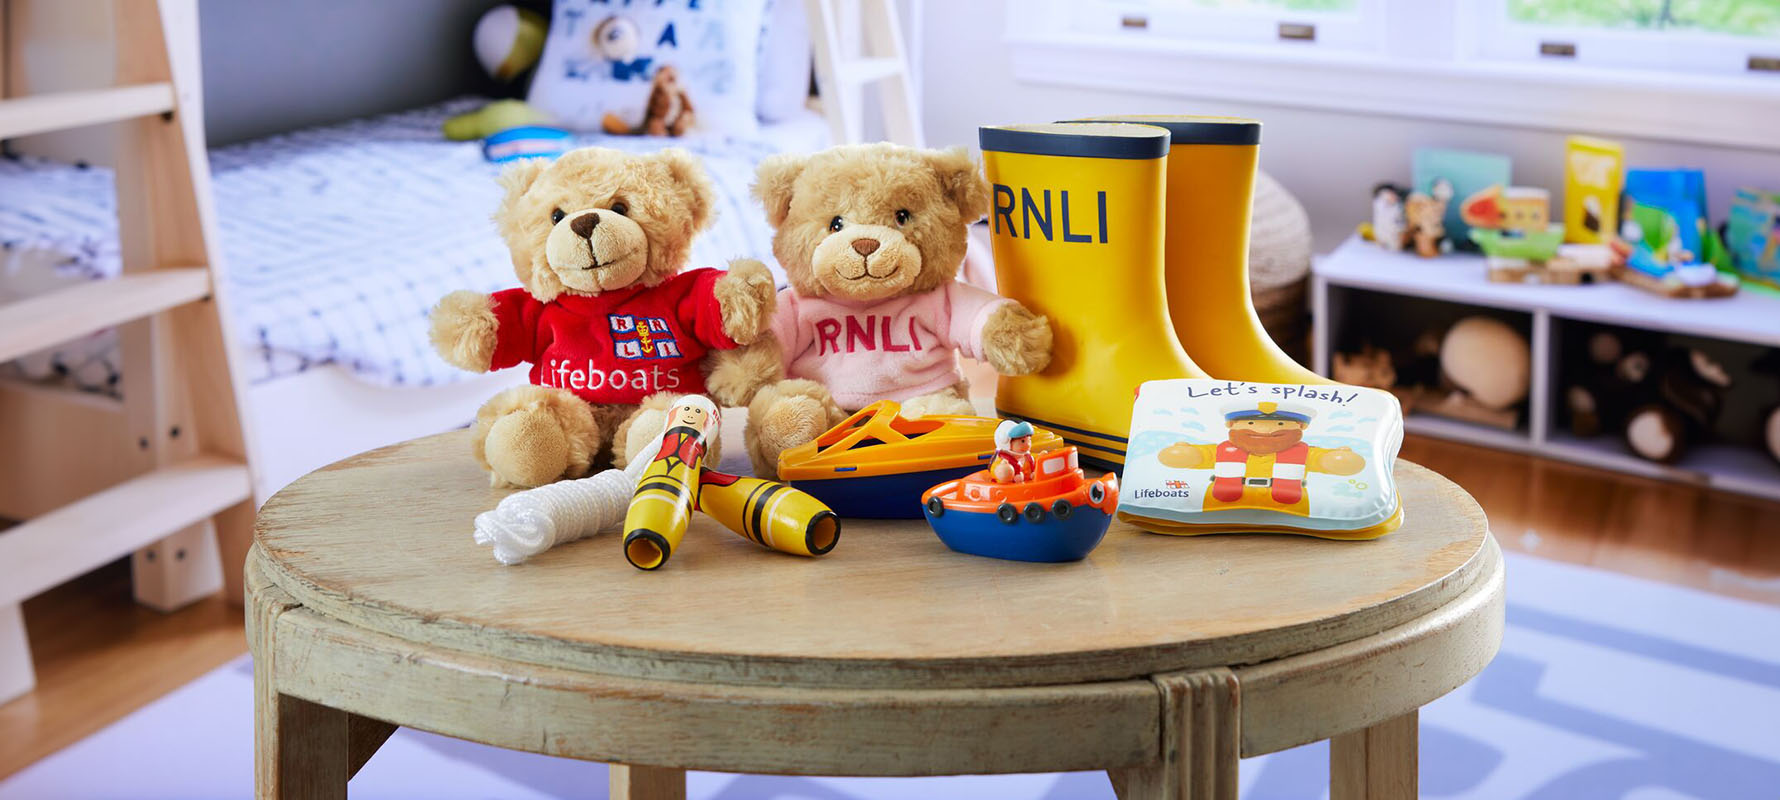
(528, 523)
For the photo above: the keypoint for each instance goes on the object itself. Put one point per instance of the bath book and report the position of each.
(1213, 456)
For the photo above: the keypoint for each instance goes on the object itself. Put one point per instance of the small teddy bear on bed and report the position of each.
(872, 237)
(612, 327)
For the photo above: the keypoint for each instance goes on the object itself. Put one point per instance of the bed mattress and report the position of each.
(336, 241)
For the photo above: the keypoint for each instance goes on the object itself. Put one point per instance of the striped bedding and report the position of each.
(336, 240)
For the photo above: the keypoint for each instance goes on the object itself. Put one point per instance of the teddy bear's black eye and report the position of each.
(620, 208)
(556, 216)
(835, 225)
(902, 216)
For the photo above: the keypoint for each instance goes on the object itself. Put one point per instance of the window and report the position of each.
(1344, 24)
(1719, 36)
(1681, 70)
(1712, 36)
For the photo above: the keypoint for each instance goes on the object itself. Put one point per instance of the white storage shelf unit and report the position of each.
(1748, 317)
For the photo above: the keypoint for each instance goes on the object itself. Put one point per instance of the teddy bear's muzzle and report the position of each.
(596, 249)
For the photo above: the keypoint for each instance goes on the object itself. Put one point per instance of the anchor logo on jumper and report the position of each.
(635, 337)
(1037, 212)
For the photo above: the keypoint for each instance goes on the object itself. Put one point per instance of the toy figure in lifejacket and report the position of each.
(1013, 453)
(686, 438)
(1263, 463)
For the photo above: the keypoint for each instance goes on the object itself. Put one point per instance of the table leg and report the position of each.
(1376, 763)
(647, 783)
(1200, 745)
(300, 749)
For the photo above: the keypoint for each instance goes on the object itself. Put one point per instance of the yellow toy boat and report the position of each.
(877, 464)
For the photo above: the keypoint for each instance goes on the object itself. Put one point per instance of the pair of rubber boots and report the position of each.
(1131, 235)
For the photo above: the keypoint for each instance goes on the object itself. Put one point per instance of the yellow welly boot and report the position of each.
(1211, 186)
(1076, 222)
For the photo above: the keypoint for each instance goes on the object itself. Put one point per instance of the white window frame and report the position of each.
(1404, 73)
(1164, 19)
(1498, 38)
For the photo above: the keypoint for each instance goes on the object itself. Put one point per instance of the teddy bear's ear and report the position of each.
(773, 180)
(962, 181)
(519, 176)
(697, 194)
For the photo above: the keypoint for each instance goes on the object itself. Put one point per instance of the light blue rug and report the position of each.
(1606, 687)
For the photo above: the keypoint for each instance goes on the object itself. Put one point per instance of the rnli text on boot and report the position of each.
(1040, 212)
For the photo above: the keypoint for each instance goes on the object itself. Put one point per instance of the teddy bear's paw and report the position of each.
(787, 423)
(644, 428)
(1017, 341)
(747, 297)
(945, 401)
(463, 330)
(532, 435)
(527, 448)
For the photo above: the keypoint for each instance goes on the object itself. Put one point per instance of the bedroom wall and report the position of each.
(273, 65)
(1329, 160)
(269, 65)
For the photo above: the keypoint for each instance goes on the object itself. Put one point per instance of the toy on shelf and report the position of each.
(1211, 456)
(1664, 244)
(1057, 514)
(1659, 404)
(1389, 228)
(1594, 174)
(1013, 453)
(1489, 365)
(1752, 235)
(877, 464)
(667, 490)
(1467, 173)
(1426, 214)
(1512, 225)
(1370, 366)
(1682, 403)
(1410, 220)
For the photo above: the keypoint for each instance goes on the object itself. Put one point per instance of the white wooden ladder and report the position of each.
(859, 44)
(180, 392)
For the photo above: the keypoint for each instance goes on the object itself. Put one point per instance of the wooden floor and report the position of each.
(100, 656)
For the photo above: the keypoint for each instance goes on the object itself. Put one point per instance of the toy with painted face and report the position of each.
(1013, 453)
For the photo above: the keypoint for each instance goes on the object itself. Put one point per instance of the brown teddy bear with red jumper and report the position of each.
(610, 321)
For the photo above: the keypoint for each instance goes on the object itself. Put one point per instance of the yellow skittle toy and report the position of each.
(1209, 202)
(667, 491)
(769, 513)
(1077, 224)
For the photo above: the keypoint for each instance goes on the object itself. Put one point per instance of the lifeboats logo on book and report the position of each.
(635, 337)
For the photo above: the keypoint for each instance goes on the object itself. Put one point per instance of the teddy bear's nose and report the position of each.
(865, 247)
(583, 225)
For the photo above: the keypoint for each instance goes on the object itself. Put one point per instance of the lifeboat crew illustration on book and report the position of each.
(1263, 462)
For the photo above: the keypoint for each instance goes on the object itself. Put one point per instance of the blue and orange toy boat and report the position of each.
(876, 464)
(1058, 516)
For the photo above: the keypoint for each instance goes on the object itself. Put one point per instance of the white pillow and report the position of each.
(785, 61)
(713, 44)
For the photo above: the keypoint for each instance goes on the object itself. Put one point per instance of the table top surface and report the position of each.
(383, 541)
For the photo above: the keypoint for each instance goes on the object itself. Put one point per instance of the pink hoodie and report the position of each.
(890, 349)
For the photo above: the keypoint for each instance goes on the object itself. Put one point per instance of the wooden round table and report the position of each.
(1159, 659)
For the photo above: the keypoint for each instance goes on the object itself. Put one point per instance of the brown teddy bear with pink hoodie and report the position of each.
(872, 237)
